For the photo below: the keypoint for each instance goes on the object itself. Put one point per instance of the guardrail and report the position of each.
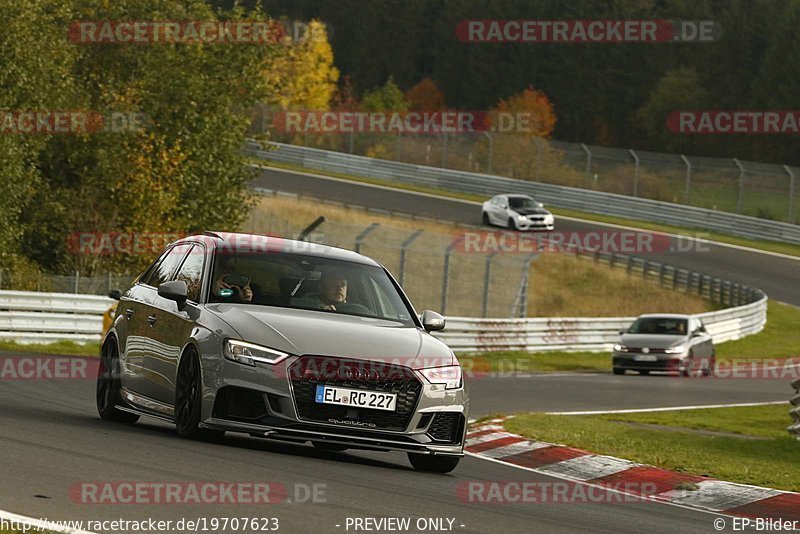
(30, 317)
(48, 317)
(794, 429)
(464, 334)
(589, 201)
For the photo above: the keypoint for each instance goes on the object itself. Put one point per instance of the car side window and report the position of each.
(166, 267)
(191, 272)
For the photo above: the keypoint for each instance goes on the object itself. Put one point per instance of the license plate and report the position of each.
(645, 358)
(356, 397)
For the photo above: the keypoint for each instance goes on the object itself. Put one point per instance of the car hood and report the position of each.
(308, 332)
(652, 341)
(532, 211)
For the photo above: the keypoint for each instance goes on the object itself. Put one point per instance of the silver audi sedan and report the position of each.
(661, 342)
(286, 340)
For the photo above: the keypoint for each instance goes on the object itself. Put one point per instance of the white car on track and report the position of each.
(517, 212)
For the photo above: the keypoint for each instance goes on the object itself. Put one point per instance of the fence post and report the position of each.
(538, 172)
(688, 179)
(635, 172)
(444, 150)
(77, 279)
(403, 248)
(1, 278)
(790, 217)
(588, 159)
(487, 275)
(446, 272)
(109, 282)
(491, 152)
(360, 237)
(352, 140)
(741, 186)
(523, 290)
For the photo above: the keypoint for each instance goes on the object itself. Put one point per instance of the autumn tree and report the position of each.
(425, 96)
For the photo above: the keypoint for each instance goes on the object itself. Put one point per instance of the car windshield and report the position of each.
(658, 325)
(521, 202)
(307, 282)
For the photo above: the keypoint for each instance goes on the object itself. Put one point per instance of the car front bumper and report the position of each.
(260, 401)
(664, 362)
(528, 225)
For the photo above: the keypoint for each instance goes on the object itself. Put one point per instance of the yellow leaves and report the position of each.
(540, 114)
(301, 75)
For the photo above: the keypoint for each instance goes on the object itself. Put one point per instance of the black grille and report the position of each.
(446, 427)
(308, 372)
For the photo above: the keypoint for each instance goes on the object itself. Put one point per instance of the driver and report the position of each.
(332, 289)
(229, 278)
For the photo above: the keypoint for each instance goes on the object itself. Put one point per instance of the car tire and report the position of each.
(431, 463)
(108, 385)
(619, 371)
(188, 400)
(644, 373)
(329, 447)
(485, 219)
(709, 365)
(512, 225)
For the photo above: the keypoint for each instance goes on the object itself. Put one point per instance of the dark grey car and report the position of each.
(661, 342)
(233, 332)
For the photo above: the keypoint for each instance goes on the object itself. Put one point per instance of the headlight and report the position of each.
(521, 217)
(548, 218)
(676, 350)
(450, 376)
(249, 354)
(620, 348)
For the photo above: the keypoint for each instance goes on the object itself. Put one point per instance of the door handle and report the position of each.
(128, 312)
(151, 320)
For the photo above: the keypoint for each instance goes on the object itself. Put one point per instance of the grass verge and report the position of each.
(754, 450)
(779, 339)
(770, 246)
(67, 348)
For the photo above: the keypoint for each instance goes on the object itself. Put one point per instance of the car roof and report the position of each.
(256, 242)
(513, 195)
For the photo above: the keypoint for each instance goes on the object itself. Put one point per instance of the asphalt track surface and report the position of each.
(778, 276)
(52, 438)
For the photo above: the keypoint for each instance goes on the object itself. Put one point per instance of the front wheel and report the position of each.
(108, 385)
(188, 400)
(512, 225)
(485, 219)
(619, 371)
(431, 463)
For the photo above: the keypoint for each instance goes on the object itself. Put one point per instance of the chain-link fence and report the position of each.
(432, 268)
(768, 191)
(60, 283)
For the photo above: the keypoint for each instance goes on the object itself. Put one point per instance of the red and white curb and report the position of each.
(490, 440)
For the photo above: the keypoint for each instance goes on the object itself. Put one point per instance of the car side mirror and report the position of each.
(432, 321)
(115, 294)
(697, 333)
(175, 290)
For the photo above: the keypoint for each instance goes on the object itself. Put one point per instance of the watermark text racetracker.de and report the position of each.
(403, 122)
(605, 241)
(141, 492)
(587, 31)
(69, 122)
(730, 122)
(147, 525)
(522, 492)
(44, 367)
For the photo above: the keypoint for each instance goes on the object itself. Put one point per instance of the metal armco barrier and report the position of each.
(465, 334)
(48, 317)
(589, 201)
(794, 429)
(30, 317)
